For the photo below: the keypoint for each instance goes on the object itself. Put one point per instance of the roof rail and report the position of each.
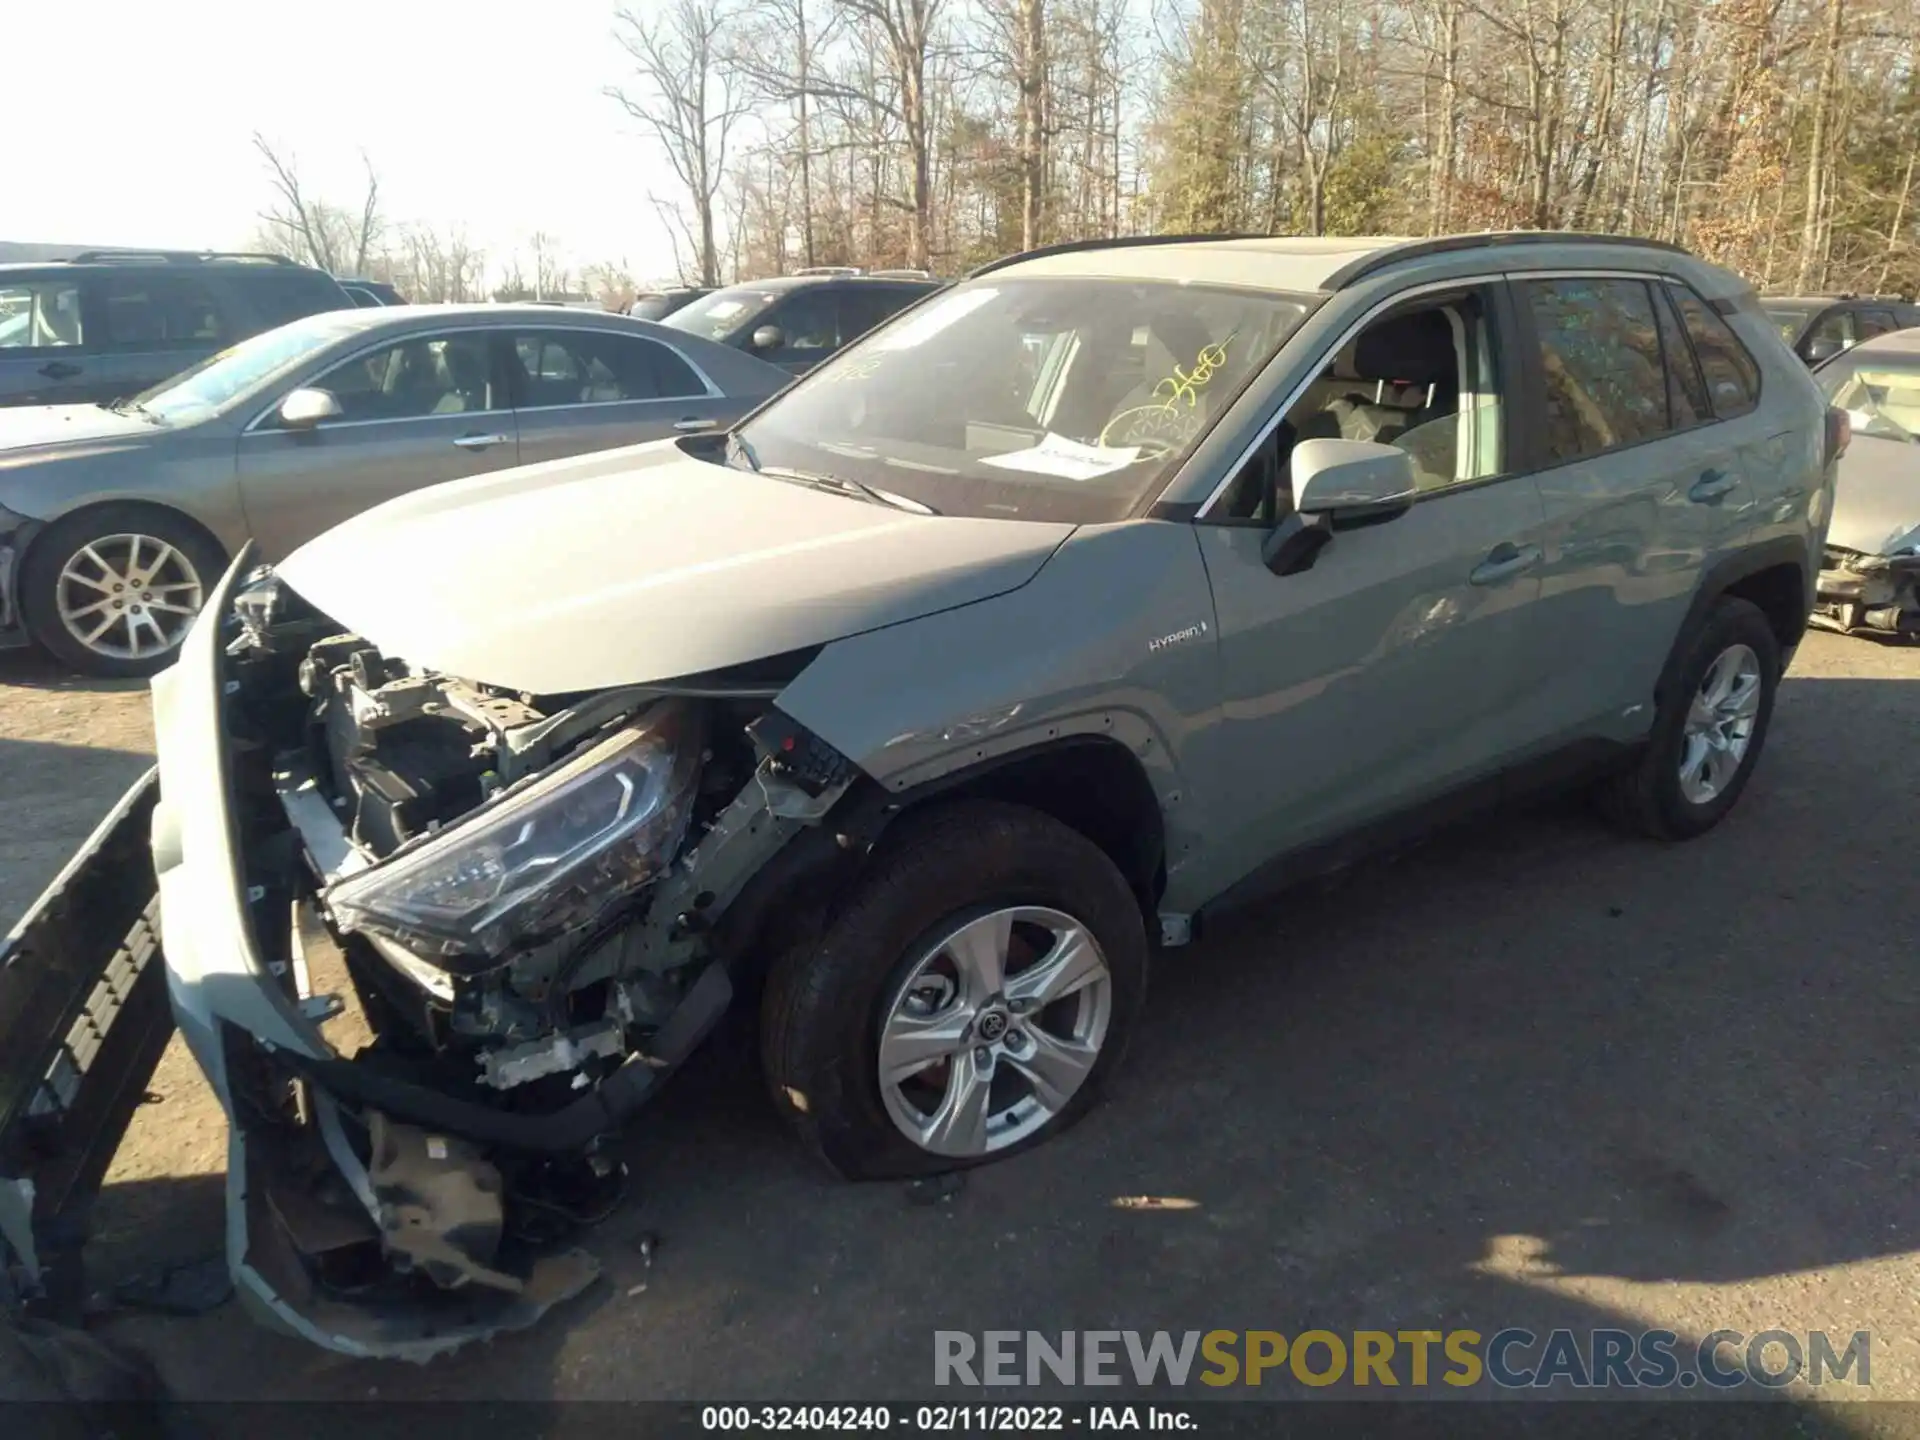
(175, 257)
(1069, 247)
(1448, 244)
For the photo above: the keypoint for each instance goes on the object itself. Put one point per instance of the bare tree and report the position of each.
(687, 102)
(338, 239)
(438, 268)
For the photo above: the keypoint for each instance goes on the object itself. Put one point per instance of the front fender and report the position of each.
(1115, 637)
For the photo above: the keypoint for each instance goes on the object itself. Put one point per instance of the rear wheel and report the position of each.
(1709, 732)
(965, 1003)
(113, 591)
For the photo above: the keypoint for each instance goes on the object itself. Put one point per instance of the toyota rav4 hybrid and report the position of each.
(1089, 597)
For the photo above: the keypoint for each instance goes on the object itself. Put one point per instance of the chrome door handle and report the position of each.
(479, 442)
(693, 423)
(1503, 562)
(1711, 486)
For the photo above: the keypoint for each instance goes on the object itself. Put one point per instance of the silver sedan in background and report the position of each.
(116, 520)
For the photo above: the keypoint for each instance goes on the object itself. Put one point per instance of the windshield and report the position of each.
(1880, 393)
(722, 314)
(216, 381)
(1056, 399)
(1788, 319)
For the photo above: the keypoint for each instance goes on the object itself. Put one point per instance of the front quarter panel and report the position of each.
(1114, 637)
(189, 469)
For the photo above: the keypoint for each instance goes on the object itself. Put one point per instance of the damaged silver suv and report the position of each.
(1095, 594)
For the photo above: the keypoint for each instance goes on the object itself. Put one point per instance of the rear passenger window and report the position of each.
(1876, 322)
(581, 367)
(1686, 392)
(1601, 365)
(159, 311)
(1733, 379)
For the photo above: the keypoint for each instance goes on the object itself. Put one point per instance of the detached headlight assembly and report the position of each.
(540, 859)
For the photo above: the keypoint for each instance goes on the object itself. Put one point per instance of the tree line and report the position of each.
(1778, 137)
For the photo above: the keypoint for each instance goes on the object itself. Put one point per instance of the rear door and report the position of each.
(1642, 489)
(152, 324)
(416, 411)
(44, 335)
(583, 389)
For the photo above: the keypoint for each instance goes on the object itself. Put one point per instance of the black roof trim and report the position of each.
(1117, 242)
(174, 257)
(1449, 244)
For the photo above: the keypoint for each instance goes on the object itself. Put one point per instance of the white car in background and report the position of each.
(1870, 579)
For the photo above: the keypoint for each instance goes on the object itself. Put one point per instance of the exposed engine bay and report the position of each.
(537, 903)
(1869, 592)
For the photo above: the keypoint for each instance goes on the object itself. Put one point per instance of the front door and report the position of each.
(1387, 673)
(808, 320)
(414, 412)
(577, 390)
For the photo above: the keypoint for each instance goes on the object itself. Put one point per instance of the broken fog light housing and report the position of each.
(541, 859)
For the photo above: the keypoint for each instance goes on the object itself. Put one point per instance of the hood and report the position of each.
(36, 432)
(1876, 498)
(643, 564)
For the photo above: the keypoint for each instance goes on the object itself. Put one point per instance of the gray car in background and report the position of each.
(116, 519)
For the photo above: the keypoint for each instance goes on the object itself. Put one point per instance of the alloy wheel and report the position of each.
(1719, 726)
(128, 597)
(994, 1030)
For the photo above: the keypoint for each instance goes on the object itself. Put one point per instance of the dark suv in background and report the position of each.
(1819, 327)
(796, 321)
(111, 323)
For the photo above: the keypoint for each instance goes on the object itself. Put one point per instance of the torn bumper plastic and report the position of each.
(83, 1019)
(315, 1184)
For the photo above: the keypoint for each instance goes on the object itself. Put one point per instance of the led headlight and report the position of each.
(543, 858)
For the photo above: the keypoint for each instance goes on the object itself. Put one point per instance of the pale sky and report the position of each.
(128, 121)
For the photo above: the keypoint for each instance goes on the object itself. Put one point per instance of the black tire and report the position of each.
(825, 1000)
(1648, 798)
(47, 557)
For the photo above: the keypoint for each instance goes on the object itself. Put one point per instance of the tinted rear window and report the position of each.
(277, 296)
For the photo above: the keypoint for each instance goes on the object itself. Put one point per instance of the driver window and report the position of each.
(415, 378)
(1423, 378)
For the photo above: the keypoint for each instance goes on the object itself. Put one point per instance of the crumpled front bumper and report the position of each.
(238, 1015)
(1878, 593)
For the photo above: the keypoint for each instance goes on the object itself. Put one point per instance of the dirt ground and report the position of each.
(1532, 1075)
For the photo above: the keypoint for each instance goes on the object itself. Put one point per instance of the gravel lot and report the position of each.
(1533, 1075)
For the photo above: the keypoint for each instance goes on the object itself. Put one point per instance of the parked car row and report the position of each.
(117, 518)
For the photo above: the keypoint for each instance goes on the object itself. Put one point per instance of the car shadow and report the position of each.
(1511, 1078)
(32, 668)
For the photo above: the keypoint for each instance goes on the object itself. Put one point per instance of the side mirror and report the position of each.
(1343, 479)
(304, 409)
(768, 337)
(1335, 481)
(1822, 349)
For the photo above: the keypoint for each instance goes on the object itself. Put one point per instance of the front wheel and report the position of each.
(113, 591)
(1709, 732)
(965, 1003)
